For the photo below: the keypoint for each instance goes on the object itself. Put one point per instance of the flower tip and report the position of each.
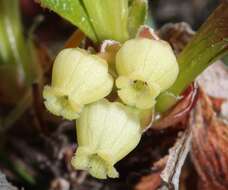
(60, 104)
(114, 131)
(94, 163)
(137, 93)
(146, 68)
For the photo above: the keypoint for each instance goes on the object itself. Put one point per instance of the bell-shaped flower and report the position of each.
(78, 78)
(146, 68)
(106, 133)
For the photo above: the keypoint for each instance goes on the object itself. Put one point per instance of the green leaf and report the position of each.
(98, 19)
(73, 11)
(109, 18)
(209, 44)
(11, 37)
(137, 15)
(14, 49)
(225, 59)
(18, 168)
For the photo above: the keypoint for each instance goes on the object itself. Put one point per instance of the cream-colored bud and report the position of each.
(78, 78)
(146, 68)
(106, 133)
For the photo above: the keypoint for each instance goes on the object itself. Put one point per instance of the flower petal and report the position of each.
(78, 78)
(108, 132)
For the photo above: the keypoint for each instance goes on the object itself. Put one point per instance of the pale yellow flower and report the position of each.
(146, 68)
(106, 133)
(78, 78)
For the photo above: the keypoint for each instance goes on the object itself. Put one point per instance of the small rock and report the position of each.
(4, 185)
(60, 184)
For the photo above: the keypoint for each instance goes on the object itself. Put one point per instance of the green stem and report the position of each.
(16, 113)
(209, 44)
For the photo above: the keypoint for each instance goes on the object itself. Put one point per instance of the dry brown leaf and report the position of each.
(179, 111)
(214, 80)
(209, 146)
(147, 32)
(166, 172)
(178, 35)
(153, 181)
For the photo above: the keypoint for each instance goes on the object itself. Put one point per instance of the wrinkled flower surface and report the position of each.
(106, 133)
(78, 78)
(146, 68)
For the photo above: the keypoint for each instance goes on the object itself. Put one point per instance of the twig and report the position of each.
(177, 156)
(16, 113)
(75, 39)
(38, 108)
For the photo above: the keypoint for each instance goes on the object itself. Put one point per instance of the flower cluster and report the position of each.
(108, 131)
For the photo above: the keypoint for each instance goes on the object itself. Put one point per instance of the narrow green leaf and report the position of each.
(10, 32)
(137, 15)
(225, 59)
(209, 44)
(13, 46)
(24, 173)
(21, 171)
(73, 11)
